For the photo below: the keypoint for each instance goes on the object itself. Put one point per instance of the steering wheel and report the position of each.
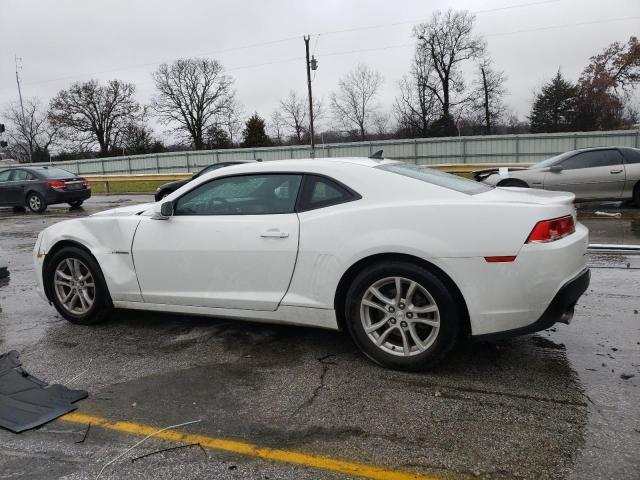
(215, 203)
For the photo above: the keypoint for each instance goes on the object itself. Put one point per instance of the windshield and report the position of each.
(54, 172)
(549, 161)
(436, 177)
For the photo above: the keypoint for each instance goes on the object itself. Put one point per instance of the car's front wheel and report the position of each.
(77, 287)
(402, 315)
(36, 202)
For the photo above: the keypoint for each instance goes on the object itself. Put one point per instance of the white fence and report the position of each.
(422, 151)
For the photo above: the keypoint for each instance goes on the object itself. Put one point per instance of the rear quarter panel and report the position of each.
(455, 226)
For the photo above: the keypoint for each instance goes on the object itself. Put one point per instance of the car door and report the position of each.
(591, 175)
(18, 185)
(231, 243)
(5, 187)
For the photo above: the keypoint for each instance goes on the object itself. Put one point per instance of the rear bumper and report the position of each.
(54, 196)
(559, 310)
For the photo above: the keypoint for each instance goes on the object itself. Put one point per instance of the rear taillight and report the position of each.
(550, 230)
(56, 184)
(85, 182)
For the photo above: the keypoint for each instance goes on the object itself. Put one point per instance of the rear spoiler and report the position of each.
(480, 175)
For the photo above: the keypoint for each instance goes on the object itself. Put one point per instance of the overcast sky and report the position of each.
(63, 41)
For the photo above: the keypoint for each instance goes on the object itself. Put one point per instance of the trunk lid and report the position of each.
(527, 195)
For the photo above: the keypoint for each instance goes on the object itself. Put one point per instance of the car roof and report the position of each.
(311, 163)
(37, 168)
(595, 149)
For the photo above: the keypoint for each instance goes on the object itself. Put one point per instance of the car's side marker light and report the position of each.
(506, 258)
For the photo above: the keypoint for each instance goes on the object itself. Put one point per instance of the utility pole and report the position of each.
(24, 122)
(311, 65)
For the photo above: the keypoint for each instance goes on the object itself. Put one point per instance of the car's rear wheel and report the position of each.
(36, 202)
(76, 203)
(636, 195)
(402, 316)
(77, 287)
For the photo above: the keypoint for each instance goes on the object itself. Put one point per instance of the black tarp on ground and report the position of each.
(27, 402)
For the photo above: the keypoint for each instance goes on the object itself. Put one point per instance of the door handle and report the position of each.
(616, 171)
(274, 233)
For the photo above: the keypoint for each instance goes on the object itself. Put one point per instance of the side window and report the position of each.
(21, 176)
(4, 175)
(322, 192)
(242, 195)
(596, 158)
(632, 155)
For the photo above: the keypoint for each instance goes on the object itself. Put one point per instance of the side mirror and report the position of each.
(166, 211)
(555, 168)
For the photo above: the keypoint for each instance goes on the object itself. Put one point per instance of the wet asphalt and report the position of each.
(564, 403)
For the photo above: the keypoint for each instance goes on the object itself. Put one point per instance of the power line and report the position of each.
(405, 22)
(282, 40)
(552, 27)
(390, 47)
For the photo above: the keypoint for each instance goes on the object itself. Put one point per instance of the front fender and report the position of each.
(109, 240)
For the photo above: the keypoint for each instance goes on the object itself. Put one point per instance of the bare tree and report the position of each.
(380, 124)
(416, 106)
(294, 112)
(448, 40)
(230, 119)
(90, 114)
(137, 138)
(488, 92)
(30, 132)
(276, 127)
(353, 104)
(193, 94)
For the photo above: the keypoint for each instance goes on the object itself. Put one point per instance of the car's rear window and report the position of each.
(436, 177)
(54, 172)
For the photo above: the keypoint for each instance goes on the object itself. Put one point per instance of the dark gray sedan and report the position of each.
(38, 187)
(593, 174)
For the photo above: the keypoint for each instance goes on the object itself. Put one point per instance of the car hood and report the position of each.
(125, 211)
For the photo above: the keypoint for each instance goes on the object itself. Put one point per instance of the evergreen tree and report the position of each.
(554, 107)
(254, 134)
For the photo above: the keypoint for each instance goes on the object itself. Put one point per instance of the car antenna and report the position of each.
(377, 155)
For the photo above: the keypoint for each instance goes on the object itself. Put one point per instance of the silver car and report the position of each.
(611, 173)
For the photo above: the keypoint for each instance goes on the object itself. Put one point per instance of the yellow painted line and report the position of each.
(248, 449)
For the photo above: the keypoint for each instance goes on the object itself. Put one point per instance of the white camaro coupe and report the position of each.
(405, 259)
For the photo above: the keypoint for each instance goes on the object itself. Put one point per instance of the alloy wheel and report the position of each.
(34, 202)
(400, 316)
(74, 286)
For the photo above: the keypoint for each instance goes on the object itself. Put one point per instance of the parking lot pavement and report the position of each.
(552, 405)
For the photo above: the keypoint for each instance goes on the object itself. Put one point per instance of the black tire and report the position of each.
(450, 316)
(636, 195)
(513, 183)
(76, 203)
(36, 202)
(102, 305)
